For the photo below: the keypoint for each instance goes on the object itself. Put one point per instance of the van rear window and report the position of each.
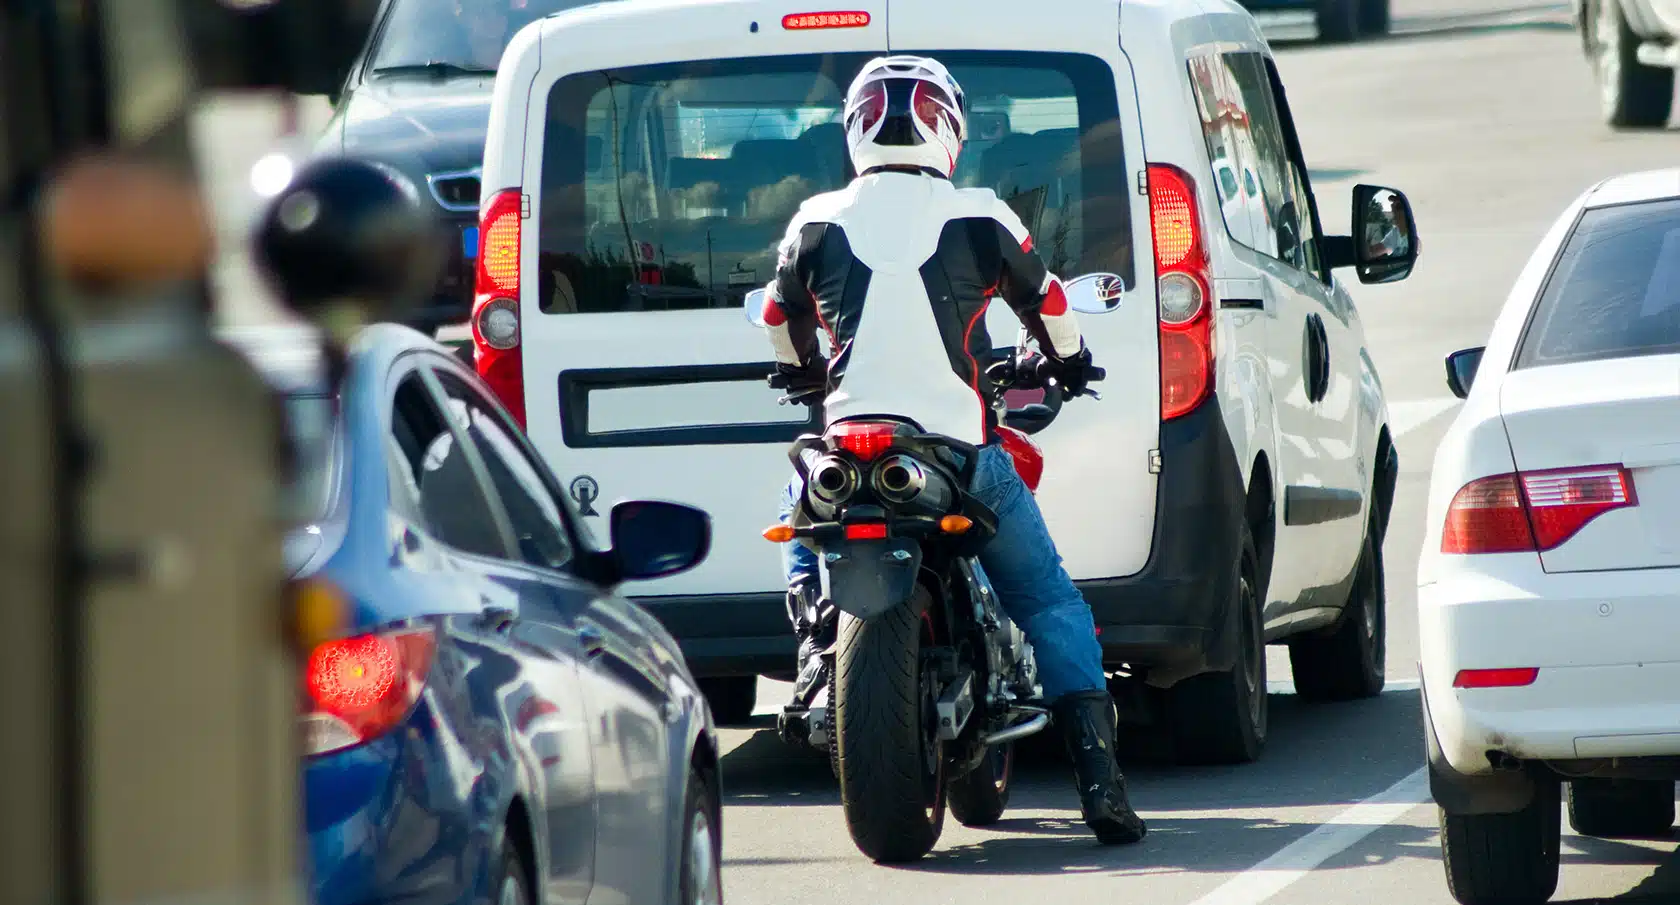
(668, 187)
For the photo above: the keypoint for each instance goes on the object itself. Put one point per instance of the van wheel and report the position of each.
(702, 864)
(1348, 663)
(732, 698)
(1500, 859)
(1338, 20)
(1631, 95)
(1374, 17)
(1621, 808)
(1220, 717)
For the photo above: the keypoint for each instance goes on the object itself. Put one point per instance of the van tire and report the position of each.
(732, 698)
(1375, 17)
(1349, 662)
(1632, 95)
(1502, 859)
(1621, 808)
(1338, 20)
(1221, 717)
(882, 729)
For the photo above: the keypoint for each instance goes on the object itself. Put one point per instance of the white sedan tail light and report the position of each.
(1532, 511)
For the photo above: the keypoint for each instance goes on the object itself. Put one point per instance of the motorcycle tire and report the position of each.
(892, 766)
(980, 796)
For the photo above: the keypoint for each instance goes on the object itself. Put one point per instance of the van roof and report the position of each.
(1167, 11)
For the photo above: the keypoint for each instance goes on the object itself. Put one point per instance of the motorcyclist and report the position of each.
(897, 268)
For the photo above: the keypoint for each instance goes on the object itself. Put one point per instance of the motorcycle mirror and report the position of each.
(753, 307)
(347, 242)
(1094, 293)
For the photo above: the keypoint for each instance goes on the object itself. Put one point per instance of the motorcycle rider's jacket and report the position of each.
(898, 268)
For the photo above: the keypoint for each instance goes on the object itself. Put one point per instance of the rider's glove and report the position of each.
(811, 377)
(1073, 373)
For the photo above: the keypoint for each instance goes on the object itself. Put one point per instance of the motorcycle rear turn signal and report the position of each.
(955, 524)
(778, 534)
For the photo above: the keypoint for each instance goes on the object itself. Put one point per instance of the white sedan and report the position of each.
(1549, 584)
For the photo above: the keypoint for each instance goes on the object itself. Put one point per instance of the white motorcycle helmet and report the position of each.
(905, 111)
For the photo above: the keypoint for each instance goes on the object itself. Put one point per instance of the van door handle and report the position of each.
(594, 642)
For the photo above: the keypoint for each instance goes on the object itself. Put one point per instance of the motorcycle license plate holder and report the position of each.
(866, 578)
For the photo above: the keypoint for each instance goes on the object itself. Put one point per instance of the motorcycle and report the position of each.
(929, 683)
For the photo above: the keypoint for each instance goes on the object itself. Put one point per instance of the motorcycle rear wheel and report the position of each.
(892, 764)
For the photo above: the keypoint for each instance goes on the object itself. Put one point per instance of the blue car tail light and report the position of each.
(361, 687)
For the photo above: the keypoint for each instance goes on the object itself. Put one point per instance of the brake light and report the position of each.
(1496, 678)
(807, 21)
(1561, 502)
(1183, 291)
(495, 315)
(1532, 511)
(363, 687)
(866, 531)
(864, 439)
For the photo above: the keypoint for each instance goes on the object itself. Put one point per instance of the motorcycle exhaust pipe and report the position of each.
(900, 479)
(833, 480)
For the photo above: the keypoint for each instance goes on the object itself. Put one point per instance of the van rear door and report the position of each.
(1054, 130)
(663, 188)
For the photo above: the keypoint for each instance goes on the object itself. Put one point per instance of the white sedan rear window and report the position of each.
(1614, 291)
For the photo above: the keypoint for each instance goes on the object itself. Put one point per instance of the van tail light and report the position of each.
(1532, 511)
(1183, 291)
(357, 689)
(864, 439)
(495, 312)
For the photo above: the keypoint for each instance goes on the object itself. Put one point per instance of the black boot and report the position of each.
(815, 634)
(1086, 719)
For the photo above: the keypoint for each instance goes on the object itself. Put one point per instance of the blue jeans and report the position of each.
(1025, 571)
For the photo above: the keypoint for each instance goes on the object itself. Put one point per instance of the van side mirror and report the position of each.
(1461, 370)
(1384, 244)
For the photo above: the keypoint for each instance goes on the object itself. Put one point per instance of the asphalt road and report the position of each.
(1485, 115)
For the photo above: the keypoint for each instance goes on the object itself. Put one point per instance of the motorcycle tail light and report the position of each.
(864, 439)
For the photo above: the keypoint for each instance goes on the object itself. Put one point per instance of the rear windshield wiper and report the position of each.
(439, 68)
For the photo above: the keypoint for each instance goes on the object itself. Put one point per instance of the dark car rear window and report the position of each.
(1614, 291)
(469, 33)
(668, 187)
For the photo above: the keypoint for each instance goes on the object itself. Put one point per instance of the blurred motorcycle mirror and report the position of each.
(347, 242)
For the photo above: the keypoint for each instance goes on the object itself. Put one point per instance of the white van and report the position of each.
(1231, 487)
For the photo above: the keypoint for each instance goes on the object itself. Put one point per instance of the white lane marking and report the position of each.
(1408, 414)
(1339, 833)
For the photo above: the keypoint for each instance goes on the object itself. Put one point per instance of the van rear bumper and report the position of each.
(729, 634)
(1170, 620)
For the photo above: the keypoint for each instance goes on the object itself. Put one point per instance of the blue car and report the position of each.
(501, 727)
